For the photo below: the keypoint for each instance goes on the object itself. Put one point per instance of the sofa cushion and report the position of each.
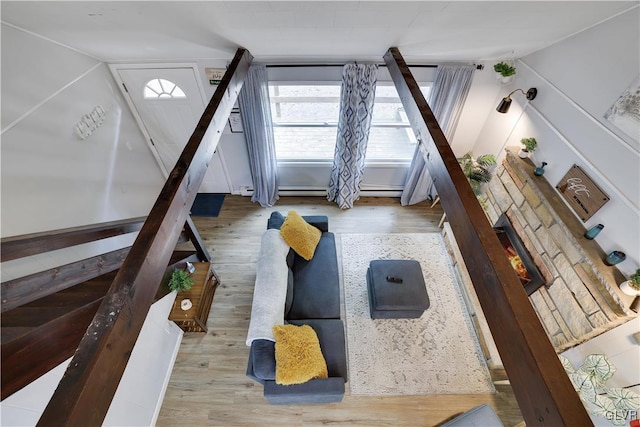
(332, 343)
(300, 235)
(317, 283)
(288, 302)
(298, 355)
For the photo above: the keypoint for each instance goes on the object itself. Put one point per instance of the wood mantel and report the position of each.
(610, 276)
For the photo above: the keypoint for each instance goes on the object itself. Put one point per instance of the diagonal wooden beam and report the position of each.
(85, 392)
(23, 290)
(196, 240)
(541, 386)
(32, 244)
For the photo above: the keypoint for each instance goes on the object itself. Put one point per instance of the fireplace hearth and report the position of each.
(518, 255)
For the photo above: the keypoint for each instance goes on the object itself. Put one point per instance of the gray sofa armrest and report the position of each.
(326, 390)
(261, 365)
(332, 343)
(321, 222)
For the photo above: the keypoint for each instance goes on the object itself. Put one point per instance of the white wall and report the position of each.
(51, 178)
(139, 396)
(577, 80)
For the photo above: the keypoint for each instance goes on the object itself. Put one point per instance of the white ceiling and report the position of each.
(302, 31)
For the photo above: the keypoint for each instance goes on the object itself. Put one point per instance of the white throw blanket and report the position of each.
(270, 289)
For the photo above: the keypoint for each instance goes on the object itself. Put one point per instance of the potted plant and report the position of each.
(505, 71)
(632, 286)
(478, 170)
(180, 281)
(614, 404)
(528, 146)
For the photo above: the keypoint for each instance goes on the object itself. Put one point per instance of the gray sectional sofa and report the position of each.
(313, 298)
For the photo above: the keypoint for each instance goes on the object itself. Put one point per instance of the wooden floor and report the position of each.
(208, 386)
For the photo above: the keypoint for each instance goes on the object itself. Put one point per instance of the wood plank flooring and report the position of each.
(208, 386)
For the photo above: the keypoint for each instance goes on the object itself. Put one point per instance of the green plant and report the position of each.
(504, 69)
(530, 144)
(589, 380)
(634, 280)
(478, 170)
(180, 281)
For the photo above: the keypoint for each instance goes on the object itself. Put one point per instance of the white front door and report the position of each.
(169, 103)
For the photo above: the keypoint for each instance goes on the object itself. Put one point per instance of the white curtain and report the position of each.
(446, 100)
(356, 107)
(255, 111)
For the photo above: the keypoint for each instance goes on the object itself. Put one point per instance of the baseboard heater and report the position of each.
(322, 193)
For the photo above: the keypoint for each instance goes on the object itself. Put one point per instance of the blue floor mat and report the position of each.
(207, 204)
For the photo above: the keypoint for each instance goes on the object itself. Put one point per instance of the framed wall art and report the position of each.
(581, 193)
(625, 111)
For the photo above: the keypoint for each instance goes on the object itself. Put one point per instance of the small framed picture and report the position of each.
(235, 122)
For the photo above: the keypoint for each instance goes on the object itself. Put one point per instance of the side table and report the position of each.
(205, 282)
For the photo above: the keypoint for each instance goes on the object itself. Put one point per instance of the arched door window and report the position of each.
(161, 88)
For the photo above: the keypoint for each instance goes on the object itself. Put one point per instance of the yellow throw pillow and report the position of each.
(298, 355)
(300, 235)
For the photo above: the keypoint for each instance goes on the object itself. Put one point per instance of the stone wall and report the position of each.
(580, 299)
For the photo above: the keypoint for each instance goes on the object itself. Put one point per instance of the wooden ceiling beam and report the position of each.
(541, 386)
(87, 388)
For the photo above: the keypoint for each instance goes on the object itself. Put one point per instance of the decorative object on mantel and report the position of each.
(632, 286)
(614, 404)
(615, 257)
(505, 72)
(539, 171)
(505, 104)
(528, 146)
(180, 281)
(581, 193)
(593, 231)
(625, 111)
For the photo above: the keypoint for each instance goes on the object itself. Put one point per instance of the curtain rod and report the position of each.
(478, 66)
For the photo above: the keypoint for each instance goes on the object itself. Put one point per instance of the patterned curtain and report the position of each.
(446, 100)
(356, 107)
(255, 111)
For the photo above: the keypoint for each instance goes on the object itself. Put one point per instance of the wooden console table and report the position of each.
(205, 282)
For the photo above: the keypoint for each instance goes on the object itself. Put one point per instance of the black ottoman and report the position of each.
(396, 289)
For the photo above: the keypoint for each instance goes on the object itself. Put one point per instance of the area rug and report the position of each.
(438, 353)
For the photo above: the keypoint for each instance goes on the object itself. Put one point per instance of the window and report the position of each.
(391, 138)
(305, 123)
(161, 88)
(305, 120)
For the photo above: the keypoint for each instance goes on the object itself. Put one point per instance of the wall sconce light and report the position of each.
(505, 104)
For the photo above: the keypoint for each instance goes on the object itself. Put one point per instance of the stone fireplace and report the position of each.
(580, 297)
